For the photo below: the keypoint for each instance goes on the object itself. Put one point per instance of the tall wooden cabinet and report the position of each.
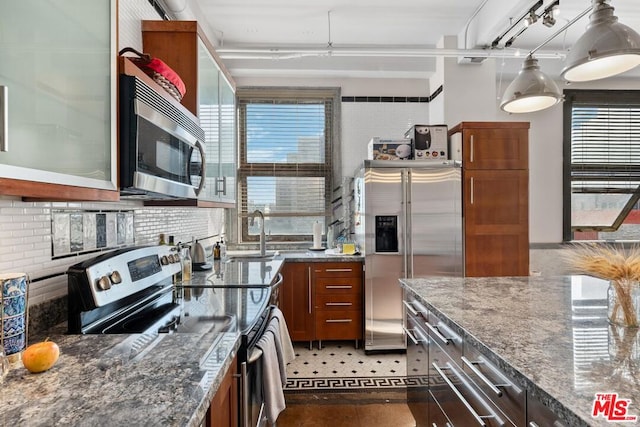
(495, 173)
(323, 300)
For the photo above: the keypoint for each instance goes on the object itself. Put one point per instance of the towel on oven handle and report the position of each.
(288, 353)
(272, 372)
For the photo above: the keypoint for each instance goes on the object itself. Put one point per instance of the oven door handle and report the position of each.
(255, 355)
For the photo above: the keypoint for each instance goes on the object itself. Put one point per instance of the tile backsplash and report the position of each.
(77, 232)
(34, 235)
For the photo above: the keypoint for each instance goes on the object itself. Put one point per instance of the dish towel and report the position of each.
(288, 353)
(271, 374)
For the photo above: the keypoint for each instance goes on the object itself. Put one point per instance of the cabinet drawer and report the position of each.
(338, 285)
(338, 324)
(337, 269)
(445, 337)
(460, 399)
(338, 302)
(539, 415)
(501, 389)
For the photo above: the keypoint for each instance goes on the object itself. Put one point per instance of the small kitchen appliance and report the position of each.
(429, 142)
(161, 145)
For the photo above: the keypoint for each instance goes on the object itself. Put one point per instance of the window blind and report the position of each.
(602, 163)
(605, 148)
(285, 161)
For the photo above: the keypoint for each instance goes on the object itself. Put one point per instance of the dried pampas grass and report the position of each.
(618, 265)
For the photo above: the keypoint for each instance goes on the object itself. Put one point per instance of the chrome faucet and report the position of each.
(263, 244)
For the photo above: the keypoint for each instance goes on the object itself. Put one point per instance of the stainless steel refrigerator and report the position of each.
(408, 223)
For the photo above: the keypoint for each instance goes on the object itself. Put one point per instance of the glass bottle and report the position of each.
(186, 264)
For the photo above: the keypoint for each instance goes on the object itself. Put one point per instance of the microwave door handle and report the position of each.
(203, 171)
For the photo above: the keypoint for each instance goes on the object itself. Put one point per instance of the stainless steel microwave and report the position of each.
(161, 145)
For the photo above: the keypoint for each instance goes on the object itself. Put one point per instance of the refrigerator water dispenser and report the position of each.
(386, 233)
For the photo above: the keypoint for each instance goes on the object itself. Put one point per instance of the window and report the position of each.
(286, 139)
(601, 165)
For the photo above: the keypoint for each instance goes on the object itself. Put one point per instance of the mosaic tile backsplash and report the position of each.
(76, 232)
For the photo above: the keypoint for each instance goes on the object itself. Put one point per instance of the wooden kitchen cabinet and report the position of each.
(338, 300)
(323, 300)
(58, 77)
(223, 411)
(296, 300)
(495, 195)
(210, 96)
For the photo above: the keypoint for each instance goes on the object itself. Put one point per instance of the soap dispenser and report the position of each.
(216, 251)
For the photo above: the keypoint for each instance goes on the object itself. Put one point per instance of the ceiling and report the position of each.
(382, 38)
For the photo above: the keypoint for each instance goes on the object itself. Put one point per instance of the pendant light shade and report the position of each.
(605, 49)
(531, 90)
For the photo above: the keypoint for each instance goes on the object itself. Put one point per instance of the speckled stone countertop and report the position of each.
(99, 380)
(550, 333)
(319, 256)
(137, 379)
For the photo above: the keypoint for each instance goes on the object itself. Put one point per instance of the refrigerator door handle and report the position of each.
(409, 230)
(406, 232)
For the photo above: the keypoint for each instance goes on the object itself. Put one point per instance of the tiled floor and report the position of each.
(341, 386)
(340, 365)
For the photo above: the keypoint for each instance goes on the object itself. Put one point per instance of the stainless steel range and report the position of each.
(131, 291)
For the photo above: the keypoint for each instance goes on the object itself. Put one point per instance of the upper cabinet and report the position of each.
(58, 97)
(210, 95)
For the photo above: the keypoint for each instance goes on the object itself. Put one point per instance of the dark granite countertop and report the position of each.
(550, 333)
(137, 379)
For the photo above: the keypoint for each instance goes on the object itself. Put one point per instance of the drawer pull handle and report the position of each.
(479, 418)
(410, 308)
(413, 339)
(338, 287)
(496, 371)
(339, 320)
(438, 334)
(339, 304)
(480, 375)
(339, 270)
(532, 424)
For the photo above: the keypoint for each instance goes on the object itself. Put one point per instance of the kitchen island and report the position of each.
(548, 333)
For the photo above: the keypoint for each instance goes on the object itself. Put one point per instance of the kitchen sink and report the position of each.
(250, 256)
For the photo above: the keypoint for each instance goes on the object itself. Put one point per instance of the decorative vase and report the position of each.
(623, 303)
(13, 314)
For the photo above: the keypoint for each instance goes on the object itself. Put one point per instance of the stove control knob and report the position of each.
(115, 277)
(164, 260)
(104, 283)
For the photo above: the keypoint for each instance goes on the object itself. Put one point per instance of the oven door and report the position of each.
(251, 393)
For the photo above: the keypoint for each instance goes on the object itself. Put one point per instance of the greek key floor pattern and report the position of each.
(339, 366)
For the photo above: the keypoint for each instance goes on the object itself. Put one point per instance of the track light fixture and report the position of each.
(531, 19)
(548, 20)
(550, 13)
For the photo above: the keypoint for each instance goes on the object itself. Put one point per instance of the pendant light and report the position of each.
(531, 90)
(607, 47)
